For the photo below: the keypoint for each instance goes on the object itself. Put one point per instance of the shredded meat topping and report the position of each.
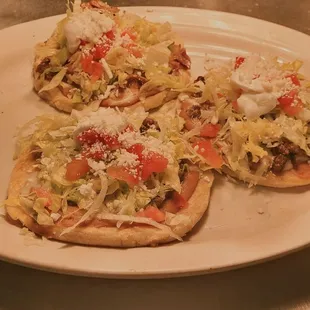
(149, 123)
(179, 58)
(43, 65)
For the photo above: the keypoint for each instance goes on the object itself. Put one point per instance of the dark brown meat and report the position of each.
(136, 80)
(207, 104)
(149, 123)
(43, 65)
(182, 169)
(252, 165)
(194, 112)
(157, 201)
(279, 162)
(197, 95)
(287, 147)
(201, 79)
(179, 58)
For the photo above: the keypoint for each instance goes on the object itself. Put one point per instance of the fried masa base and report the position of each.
(127, 236)
(290, 178)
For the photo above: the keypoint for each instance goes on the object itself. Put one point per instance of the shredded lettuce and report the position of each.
(56, 80)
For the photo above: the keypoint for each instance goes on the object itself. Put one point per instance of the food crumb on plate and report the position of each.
(260, 211)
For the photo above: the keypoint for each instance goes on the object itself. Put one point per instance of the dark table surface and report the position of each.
(290, 13)
(281, 284)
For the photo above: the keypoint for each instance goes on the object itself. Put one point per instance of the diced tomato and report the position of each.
(189, 184)
(290, 103)
(210, 130)
(110, 141)
(136, 149)
(133, 49)
(303, 171)
(101, 51)
(110, 35)
(130, 34)
(89, 137)
(179, 200)
(124, 174)
(239, 61)
(86, 62)
(77, 169)
(189, 124)
(83, 42)
(97, 71)
(43, 193)
(129, 128)
(220, 95)
(206, 150)
(93, 68)
(153, 162)
(153, 213)
(175, 204)
(94, 154)
(294, 108)
(294, 79)
(235, 105)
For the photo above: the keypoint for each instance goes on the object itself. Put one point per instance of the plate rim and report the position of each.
(163, 273)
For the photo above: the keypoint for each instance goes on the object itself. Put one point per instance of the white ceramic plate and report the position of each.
(242, 227)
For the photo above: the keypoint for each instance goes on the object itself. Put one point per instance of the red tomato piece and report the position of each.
(179, 200)
(136, 149)
(153, 162)
(123, 174)
(235, 105)
(130, 34)
(303, 171)
(135, 52)
(129, 128)
(97, 71)
(77, 169)
(290, 103)
(294, 79)
(86, 62)
(189, 124)
(93, 68)
(43, 193)
(206, 150)
(189, 184)
(175, 204)
(210, 130)
(101, 51)
(89, 137)
(133, 49)
(83, 42)
(110, 141)
(97, 153)
(239, 61)
(153, 213)
(110, 35)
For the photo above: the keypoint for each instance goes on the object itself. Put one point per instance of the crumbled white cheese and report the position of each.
(96, 166)
(107, 92)
(106, 119)
(87, 190)
(55, 216)
(47, 162)
(150, 143)
(106, 68)
(127, 159)
(88, 25)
